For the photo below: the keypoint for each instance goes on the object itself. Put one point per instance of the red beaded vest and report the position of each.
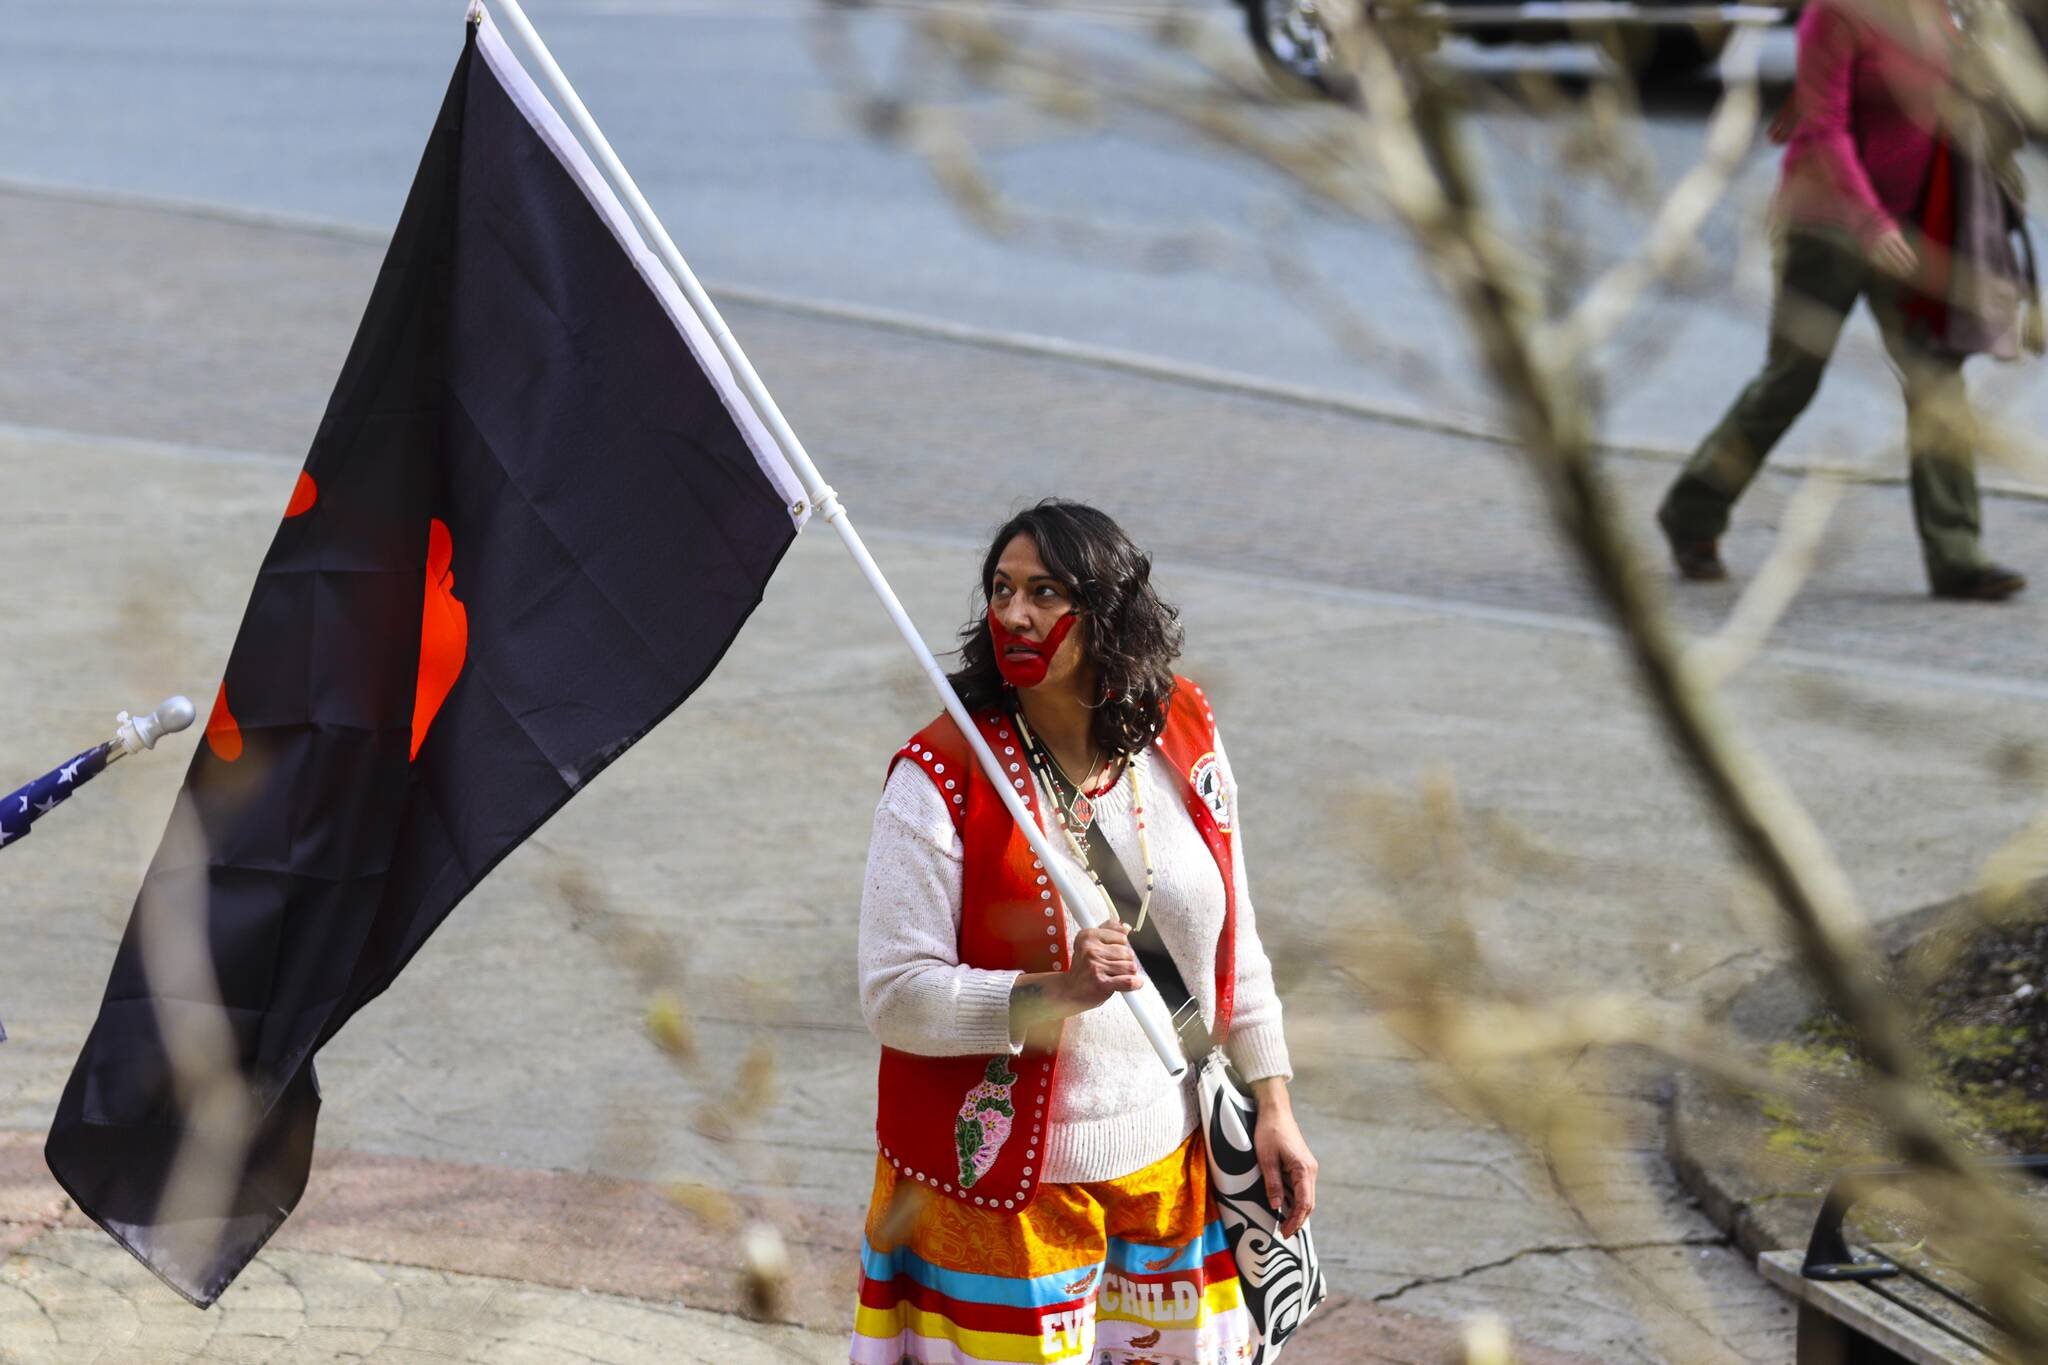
(973, 1128)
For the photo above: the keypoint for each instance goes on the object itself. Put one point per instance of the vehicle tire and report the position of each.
(1293, 41)
(1675, 51)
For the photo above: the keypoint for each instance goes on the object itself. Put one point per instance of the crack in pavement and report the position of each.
(1562, 1249)
(1733, 957)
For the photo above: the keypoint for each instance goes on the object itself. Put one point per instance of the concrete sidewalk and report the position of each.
(419, 1263)
(404, 1261)
(498, 1133)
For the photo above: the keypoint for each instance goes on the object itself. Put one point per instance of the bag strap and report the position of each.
(1153, 956)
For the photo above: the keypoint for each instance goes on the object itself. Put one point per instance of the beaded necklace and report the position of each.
(1076, 814)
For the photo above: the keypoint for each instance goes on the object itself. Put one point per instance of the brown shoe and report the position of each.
(1699, 560)
(1985, 583)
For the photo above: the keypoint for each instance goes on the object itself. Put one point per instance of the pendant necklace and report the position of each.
(1076, 815)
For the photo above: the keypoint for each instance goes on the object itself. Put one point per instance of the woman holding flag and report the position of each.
(1042, 1191)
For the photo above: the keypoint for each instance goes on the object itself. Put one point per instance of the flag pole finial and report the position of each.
(136, 733)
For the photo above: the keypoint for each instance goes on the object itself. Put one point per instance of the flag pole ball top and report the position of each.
(142, 732)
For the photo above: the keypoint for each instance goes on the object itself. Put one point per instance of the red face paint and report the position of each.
(1027, 670)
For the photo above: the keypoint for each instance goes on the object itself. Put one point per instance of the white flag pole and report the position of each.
(1082, 899)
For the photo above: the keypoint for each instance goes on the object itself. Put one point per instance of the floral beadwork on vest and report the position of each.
(984, 1123)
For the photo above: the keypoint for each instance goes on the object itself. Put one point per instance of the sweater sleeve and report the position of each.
(914, 992)
(1257, 1047)
(1824, 91)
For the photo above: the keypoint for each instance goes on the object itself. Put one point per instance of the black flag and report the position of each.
(535, 514)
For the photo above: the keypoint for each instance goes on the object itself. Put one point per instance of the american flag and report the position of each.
(26, 805)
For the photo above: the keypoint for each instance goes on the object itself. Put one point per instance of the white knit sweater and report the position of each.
(1114, 1108)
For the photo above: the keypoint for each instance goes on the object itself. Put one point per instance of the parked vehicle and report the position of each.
(1649, 37)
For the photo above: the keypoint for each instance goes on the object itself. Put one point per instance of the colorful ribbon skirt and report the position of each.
(1132, 1271)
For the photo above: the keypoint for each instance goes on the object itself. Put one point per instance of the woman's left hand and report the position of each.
(1285, 1161)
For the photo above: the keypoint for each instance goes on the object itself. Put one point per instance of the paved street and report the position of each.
(162, 371)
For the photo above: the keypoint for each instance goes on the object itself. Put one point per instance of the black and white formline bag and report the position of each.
(1281, 1277)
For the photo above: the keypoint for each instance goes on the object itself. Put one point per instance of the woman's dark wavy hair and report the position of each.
(1132, 637)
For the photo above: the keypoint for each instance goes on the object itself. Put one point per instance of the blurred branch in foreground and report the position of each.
(726, 1114)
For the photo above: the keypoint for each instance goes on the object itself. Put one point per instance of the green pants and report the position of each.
(1820, 277)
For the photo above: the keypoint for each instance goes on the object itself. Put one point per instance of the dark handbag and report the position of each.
(1975, 293)
(1986, 294)
(1282, 1278)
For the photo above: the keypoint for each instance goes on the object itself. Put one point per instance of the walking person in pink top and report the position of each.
(1873, 79)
